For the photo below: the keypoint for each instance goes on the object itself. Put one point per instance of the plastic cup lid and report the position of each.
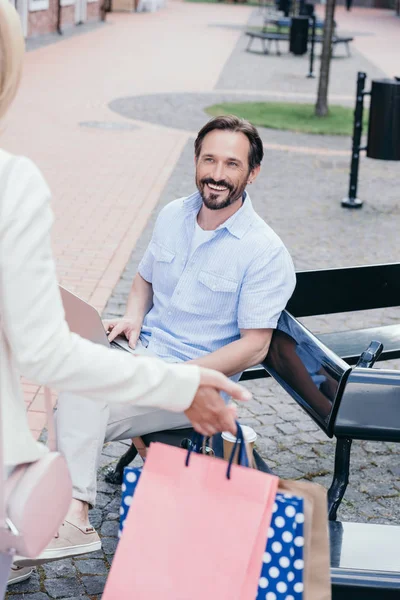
(249, 435)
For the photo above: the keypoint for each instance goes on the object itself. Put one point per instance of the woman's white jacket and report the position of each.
(34, 338)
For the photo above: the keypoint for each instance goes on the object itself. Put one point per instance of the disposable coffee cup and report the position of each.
(229, 440)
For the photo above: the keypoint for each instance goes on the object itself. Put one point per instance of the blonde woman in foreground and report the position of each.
(35, 340)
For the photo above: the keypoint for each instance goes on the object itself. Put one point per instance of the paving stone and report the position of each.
(109, 544)
(267, 431)
(307, 425)
(63, 587)
(109, 528)
(94, 584)
(375, 447)
(115, 449)
(250, 422)
(91, 567)
(96, 517)
(102, 500)
(115, 504)
(60, 568)
(304, 450)
(106, 488)
(112, 516)
(375, 490)
(29, 585)
(286, 458)
(244, 412)
(286, 428)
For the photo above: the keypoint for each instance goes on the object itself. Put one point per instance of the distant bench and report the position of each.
(267, 37)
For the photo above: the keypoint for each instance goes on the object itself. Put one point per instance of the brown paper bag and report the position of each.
(316, 575)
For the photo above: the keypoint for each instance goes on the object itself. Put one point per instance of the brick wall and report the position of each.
(93, 10)
(68, 15)
(45, 21)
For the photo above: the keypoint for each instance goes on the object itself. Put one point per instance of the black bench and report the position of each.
(266, 36)
(269, 37)
(348, 403)
(351, 289)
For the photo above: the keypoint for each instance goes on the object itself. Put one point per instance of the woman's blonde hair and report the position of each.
(12, 48)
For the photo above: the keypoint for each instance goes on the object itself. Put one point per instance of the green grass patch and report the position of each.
(291, 116)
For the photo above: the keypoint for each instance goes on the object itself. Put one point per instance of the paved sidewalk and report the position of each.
(110, 118)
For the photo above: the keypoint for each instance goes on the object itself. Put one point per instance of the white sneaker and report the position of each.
(71, 540)
(18, 574)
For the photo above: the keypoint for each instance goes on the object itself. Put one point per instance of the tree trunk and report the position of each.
(321, 107)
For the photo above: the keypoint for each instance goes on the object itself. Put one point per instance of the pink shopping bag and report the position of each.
(192, 533)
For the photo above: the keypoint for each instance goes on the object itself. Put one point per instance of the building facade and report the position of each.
(48, 16)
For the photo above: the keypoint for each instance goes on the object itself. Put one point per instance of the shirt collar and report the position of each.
(237, 224)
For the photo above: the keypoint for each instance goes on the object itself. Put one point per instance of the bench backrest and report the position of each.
(332, 291)
(311, 373)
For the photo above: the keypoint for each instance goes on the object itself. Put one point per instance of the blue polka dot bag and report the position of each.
(281, 576)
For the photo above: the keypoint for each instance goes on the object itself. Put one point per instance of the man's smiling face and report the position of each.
(222, 168)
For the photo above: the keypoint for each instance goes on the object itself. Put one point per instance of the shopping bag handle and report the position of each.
(198, 441)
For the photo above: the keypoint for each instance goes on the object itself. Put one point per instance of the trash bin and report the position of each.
(284, 6)
(298, 35)
(306, 9)
(384, 120)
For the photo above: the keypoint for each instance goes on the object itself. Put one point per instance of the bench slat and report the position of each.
(329, 291)
(350, 344)
(364, 555)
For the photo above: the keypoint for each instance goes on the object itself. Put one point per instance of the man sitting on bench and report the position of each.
(209, 289)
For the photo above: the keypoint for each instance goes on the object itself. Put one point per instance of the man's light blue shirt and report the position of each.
(240, 279)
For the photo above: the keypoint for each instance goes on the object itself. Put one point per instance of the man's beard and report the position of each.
(212, 201)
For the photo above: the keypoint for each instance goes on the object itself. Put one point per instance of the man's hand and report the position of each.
(208, 412)
(129, 327)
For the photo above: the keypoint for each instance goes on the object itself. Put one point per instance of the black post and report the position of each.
(340, 476)
(311, 71)
(352, 201)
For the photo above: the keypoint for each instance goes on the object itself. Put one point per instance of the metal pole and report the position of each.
(352, 201)
(311, 71)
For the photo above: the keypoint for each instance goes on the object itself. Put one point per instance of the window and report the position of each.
(38, 5)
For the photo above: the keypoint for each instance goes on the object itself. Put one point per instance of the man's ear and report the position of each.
(253, 174)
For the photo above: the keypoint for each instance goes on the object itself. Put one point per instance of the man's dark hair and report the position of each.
(232, 123)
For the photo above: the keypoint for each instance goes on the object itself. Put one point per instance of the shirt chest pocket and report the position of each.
(216, 295)
(164, 278)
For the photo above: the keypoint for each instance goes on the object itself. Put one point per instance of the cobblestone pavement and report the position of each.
(298, 194)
